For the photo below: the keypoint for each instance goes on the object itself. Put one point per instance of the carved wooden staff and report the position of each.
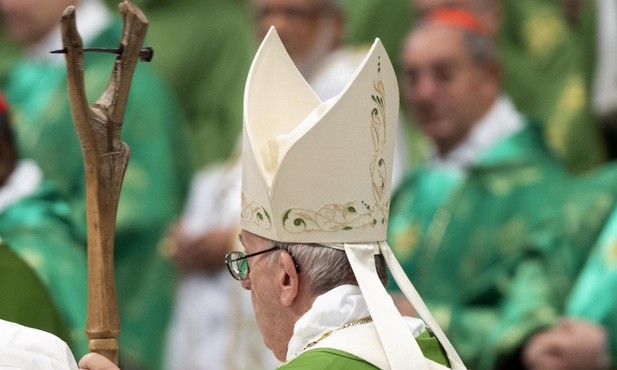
(105, 159)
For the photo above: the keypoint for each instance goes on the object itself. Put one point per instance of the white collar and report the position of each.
(501, 121)
(92, 16)
(23, 182)
(330, 311)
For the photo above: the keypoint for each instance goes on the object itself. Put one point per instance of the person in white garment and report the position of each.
(25, 348)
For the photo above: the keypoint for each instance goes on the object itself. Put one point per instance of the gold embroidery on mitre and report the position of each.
(255, 213)
(353, 214)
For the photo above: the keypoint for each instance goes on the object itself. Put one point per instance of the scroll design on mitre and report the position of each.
(254, 212)
(353, 214)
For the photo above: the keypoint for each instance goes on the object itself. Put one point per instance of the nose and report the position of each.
(424, 88)
(246, 283)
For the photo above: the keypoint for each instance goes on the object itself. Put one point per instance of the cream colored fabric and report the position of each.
(295, 147)
(31, 349)
(604, 97)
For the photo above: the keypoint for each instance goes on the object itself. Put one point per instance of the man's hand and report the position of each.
(94, 361)
(571, 345)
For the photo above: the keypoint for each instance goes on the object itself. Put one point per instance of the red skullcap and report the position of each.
(458, 18)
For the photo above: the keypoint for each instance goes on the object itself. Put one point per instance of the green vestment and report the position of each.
(153, 187)
(477, 245)
(203, 51)
(38, 229)
(25, 298)
(548, 65)
(332, 359)
(594, 296)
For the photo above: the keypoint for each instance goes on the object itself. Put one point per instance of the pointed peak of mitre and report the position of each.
(317, 171)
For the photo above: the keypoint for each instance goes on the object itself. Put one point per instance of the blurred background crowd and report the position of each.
(504, 210)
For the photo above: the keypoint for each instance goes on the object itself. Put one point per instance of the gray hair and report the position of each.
(482, 48)
(324, 268)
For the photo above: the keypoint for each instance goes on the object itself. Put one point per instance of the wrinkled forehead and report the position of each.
(424, 6)
(430, 43)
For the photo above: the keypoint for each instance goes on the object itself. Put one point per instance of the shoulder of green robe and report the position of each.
(25, 299)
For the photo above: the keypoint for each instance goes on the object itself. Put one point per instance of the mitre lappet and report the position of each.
(320, 172)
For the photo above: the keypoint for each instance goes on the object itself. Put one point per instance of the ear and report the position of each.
(492, 75)
(288, 280)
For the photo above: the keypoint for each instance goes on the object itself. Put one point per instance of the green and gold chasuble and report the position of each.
(25, 298)
(203, 52)
(548, 66)
(594, 296)
(38, 231)
(153, 187)
(477, 245)
(332, 359)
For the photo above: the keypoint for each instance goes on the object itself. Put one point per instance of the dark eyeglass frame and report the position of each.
(236, 258)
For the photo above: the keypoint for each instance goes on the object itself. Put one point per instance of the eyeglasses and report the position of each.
(237, 262)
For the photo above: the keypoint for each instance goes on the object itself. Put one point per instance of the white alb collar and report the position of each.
(330, 311)
(23, 182)
(501, 121)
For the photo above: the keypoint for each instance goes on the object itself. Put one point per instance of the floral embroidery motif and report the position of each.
(354, 214)
(255, 213)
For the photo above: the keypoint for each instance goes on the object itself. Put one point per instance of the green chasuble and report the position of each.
(332, 359)
(594, 297)
(477, 245)
(548, 65)
(153, 187)
(25, 298)
(203, 50)
(38, 230)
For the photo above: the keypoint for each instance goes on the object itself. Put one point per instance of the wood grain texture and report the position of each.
(105, 158)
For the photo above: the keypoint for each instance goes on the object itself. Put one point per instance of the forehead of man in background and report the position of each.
(445, 88)
(28, 21)
(308, 28)
(424, 6)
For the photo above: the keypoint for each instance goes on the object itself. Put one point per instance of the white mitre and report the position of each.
(314, 171)
(320, 172)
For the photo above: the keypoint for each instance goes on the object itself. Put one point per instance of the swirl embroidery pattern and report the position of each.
(255, 213)
(354, 214)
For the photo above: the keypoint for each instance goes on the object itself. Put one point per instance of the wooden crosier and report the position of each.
(105, 160)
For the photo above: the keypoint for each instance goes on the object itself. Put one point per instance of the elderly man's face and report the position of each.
(445, 90)
(269, 311)
(307, 28)
(28, 21)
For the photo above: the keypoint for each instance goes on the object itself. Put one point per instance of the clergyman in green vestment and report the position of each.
(476, 226)
(42, 265)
